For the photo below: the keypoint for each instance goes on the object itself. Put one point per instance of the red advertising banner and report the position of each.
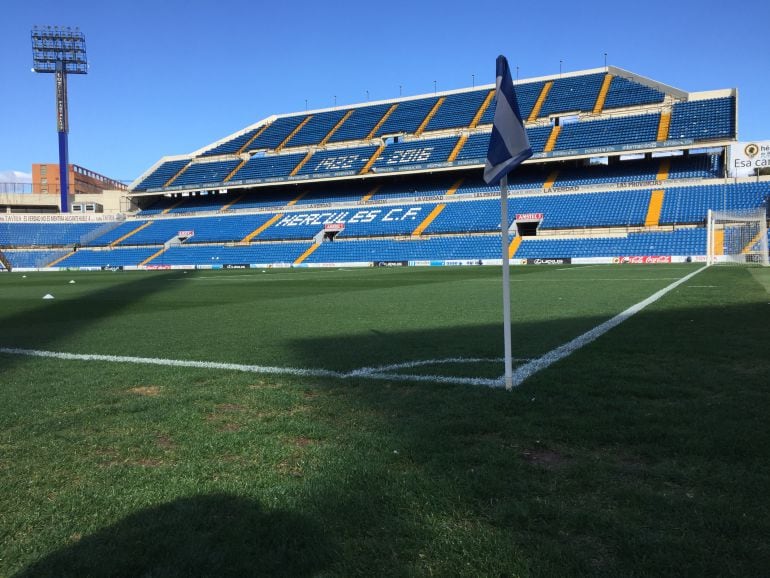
(529, 216)
(644, 259)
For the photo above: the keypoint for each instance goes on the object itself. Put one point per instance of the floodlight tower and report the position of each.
(60, 51)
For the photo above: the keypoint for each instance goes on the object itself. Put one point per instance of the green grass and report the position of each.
(643, 454)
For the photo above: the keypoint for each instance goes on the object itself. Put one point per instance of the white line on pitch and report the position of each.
(529, 369)
(366, 371)
(376, 374)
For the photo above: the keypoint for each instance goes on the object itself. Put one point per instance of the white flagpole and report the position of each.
(506, 283)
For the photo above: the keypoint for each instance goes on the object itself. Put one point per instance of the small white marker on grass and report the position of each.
(48, 296)
(72, 281)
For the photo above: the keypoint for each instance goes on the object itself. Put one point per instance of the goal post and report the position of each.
(737, 237)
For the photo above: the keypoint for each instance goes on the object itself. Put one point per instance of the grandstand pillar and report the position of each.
(62, 126)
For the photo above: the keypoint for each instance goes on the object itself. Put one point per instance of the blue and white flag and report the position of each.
(508, 144)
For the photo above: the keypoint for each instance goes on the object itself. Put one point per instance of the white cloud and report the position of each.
(15, 177)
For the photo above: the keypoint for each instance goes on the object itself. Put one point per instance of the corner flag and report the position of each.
(508, 144)
(508, 148)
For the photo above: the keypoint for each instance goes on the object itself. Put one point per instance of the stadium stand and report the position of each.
(623, 167)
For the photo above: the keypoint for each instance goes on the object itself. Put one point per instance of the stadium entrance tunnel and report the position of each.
(527, 227)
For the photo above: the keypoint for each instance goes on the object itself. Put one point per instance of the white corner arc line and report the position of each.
(261, 369)
(529, 369)
(365, 371)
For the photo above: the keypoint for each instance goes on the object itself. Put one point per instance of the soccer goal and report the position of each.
(737, 238)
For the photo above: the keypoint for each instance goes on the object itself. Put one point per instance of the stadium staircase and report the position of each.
(602, 98)
(370, 194)
(458, 147)
(235, 170)
(58, 260)
(381, 122)
(551, 179)
(227, 206)
(158, 253)
(176, 175)
(430, 115)
(299, 127)
(172, 207)
(301, 164)
(665, 169)
(370, 163)
(307, 253)
(254, 137)
(336, 127)
(134, 231)
(256, 232)
(656, 205)
(514, 246)
(482, 109)
(664, 126)
(533, 116)
(550, 144)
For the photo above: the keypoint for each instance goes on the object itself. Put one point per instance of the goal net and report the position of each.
(737, 238)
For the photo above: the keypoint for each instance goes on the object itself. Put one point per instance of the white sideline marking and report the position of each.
(365, 373)
(528, 369)
(519, 375)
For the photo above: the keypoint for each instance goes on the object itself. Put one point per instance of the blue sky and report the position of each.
(169, 76)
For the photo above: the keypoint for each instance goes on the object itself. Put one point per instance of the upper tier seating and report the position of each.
(526, 94)
(624, 92)
(266, 167)
(233, 145)
(407, 117)
(314, 131)
(457, 110)
(703, 119)
(161, 175)
(576, 93)
(361, 123)
(276, 133)
(205, 173)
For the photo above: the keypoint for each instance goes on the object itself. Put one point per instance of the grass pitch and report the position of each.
(645, 453)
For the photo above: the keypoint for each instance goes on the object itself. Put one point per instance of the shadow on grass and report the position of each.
(641, 454)
(209, 535)
(37, 327)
